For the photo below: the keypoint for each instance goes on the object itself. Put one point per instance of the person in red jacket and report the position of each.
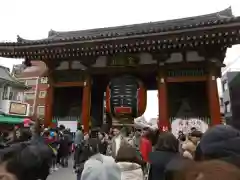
(145, 144)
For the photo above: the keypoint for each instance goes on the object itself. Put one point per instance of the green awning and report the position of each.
(11, 119)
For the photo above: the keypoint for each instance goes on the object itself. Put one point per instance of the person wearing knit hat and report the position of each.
(221, 142)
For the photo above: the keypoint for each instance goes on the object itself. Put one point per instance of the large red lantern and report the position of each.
(126, 97)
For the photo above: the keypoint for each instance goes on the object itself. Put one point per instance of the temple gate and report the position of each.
(180, 58)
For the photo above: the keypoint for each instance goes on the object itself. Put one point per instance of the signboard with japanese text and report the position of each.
(123, 61)
(18, 108)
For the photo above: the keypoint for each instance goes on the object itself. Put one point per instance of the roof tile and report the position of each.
(137, 29)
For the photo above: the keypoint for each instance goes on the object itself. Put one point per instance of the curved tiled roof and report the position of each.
(138, 29)
(220, 29)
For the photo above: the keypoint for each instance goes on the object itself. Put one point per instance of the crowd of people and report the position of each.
(122, 153)
(58, 140)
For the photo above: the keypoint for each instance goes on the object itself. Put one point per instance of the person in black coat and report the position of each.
(63, 150)
(166, 150)
(102, 143)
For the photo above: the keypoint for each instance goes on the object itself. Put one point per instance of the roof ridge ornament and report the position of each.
(52, 33)
(227, 13)
(21, 40)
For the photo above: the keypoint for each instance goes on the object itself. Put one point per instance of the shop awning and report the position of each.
(7, 78)
(11, 119)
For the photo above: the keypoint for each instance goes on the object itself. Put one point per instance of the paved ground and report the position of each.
(63, 174)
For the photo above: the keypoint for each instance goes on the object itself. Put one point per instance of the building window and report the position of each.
(44, 80)
(19, 96)
(225, 86)
(227, 107)
(29, 95)
(5, 93)
(40, 111)
(11, 95)
(221, 101)
(31, 82)
(42, 94)
(31, 110)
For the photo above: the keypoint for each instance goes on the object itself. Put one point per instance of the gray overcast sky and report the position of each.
(32, 19)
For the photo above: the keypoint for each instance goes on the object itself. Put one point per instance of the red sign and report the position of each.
(164, 128)
(123, 110)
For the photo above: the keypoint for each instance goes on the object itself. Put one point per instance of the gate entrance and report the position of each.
(188, 106)
(67, 105)
(177, 51)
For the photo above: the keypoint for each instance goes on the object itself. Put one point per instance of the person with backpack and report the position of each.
(63, 150)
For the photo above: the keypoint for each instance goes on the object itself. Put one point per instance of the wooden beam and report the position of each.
(143, 69)
(68, 84)
(86, 104)
(163, 122)
(186, 79)
(213, 99)
(70, 64)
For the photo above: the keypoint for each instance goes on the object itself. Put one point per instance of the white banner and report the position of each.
(72, 125)
(185, 125)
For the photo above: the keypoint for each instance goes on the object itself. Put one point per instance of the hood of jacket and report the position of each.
(99, 167)
(130, 171)
(128, 166)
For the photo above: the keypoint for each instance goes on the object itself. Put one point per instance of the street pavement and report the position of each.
(63, 173)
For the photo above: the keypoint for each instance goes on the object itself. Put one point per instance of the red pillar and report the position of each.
(49, 104)
(213, 99)
(86, 104)
(163, 123)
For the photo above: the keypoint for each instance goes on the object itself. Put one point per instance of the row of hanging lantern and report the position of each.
(139, 46)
